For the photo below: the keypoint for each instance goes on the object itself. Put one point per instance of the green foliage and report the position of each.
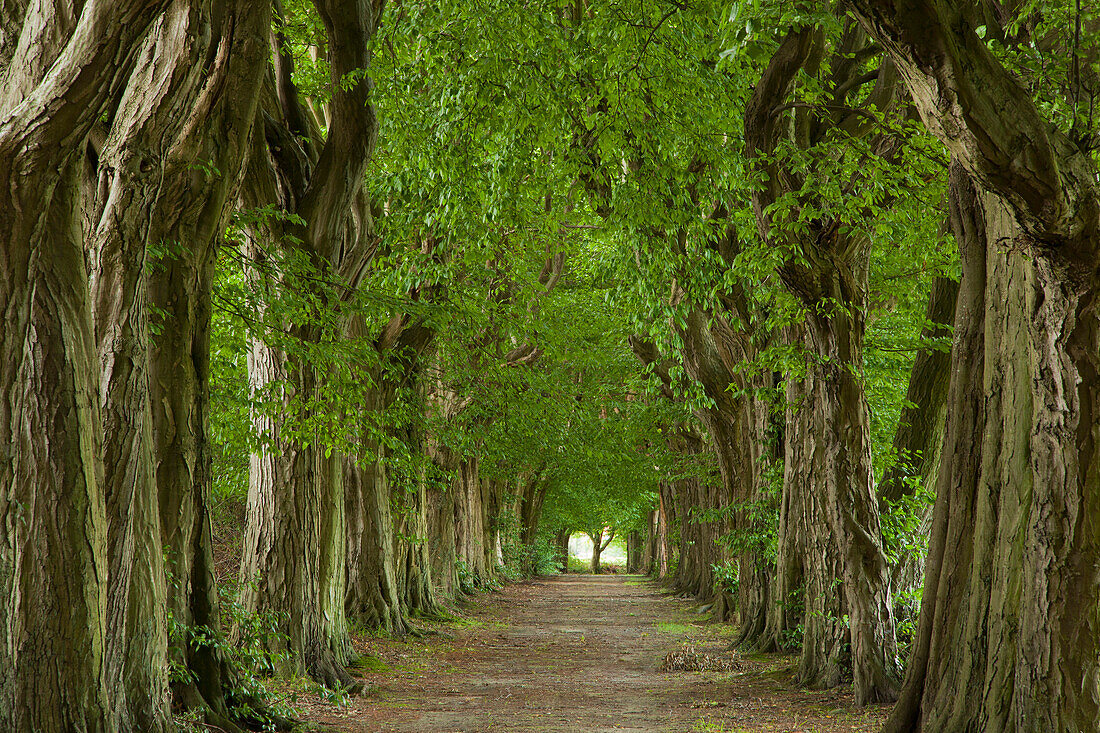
(512, 133)
(249, 656)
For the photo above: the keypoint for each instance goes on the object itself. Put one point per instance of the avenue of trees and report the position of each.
(320, 314)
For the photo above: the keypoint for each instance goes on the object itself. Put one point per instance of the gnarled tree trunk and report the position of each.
(63, 74)
(1009, 634)
(828, 447)
(295, 541)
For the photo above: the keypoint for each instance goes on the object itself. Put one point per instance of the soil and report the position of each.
(579, 653)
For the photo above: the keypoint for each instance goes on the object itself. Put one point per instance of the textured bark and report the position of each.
(836, 539)
(828, 448)
(661, 534)
(416, 560)
(225, 44)
(698, 535)
(372, 599)
(374, 592)
(61, 75)
(1009, 634)
(531, 496)
(147, 164)
(294, 561)
(295, 537)
(128, 172)
(1005, 527)
(471, 527)
(785, 613)
(441, 539)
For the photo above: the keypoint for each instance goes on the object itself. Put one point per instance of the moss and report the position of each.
(370, 663)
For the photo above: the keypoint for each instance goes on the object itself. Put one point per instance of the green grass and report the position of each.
(665, 627)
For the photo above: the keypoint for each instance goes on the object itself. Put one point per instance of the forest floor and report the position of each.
(579, 653)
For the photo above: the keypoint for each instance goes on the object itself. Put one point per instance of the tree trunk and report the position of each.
(374, 590)
(53, 567)
(416, 563)
(295, 542)
(663, 550)
(563, 549)
(532, 495)
(649, 548)
(294, 525)
(192, 210)
(470, 524)
(785, 613)
(1009, 634)
(597, 550)
(372, 593)
(831, 453)
(59, 674)
(147, 164)
(634, 551)
(1005, 528)
(828, 442)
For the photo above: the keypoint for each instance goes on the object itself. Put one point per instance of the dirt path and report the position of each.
(580, 653)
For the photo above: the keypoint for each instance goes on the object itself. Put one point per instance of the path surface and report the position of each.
(581, 653)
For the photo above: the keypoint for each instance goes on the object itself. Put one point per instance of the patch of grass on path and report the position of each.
(674, 629)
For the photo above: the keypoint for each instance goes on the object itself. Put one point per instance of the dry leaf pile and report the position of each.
(689, 659)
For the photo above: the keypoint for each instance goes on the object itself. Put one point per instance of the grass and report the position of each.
(665, 627)
(370, 663)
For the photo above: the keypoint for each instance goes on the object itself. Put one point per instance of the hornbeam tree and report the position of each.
(62, 74)
(813, 208)
(295, 540)
(187, 114)
(1009, 634)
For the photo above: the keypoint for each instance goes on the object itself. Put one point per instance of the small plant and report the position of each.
(251, 655)
(466, 579)
(337, 696)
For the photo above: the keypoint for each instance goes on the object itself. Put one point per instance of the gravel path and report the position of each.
(580, 653)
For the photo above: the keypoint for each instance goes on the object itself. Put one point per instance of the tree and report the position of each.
(165, 280)
(295, 544)
(64, 72)
(1011, 587)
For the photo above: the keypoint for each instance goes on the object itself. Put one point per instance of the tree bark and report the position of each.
(295, 542)
(60, 77)
(201, 177)
(372, 593)
(198, 51)
(663, 548)
(828, 440)
(1009, 634)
